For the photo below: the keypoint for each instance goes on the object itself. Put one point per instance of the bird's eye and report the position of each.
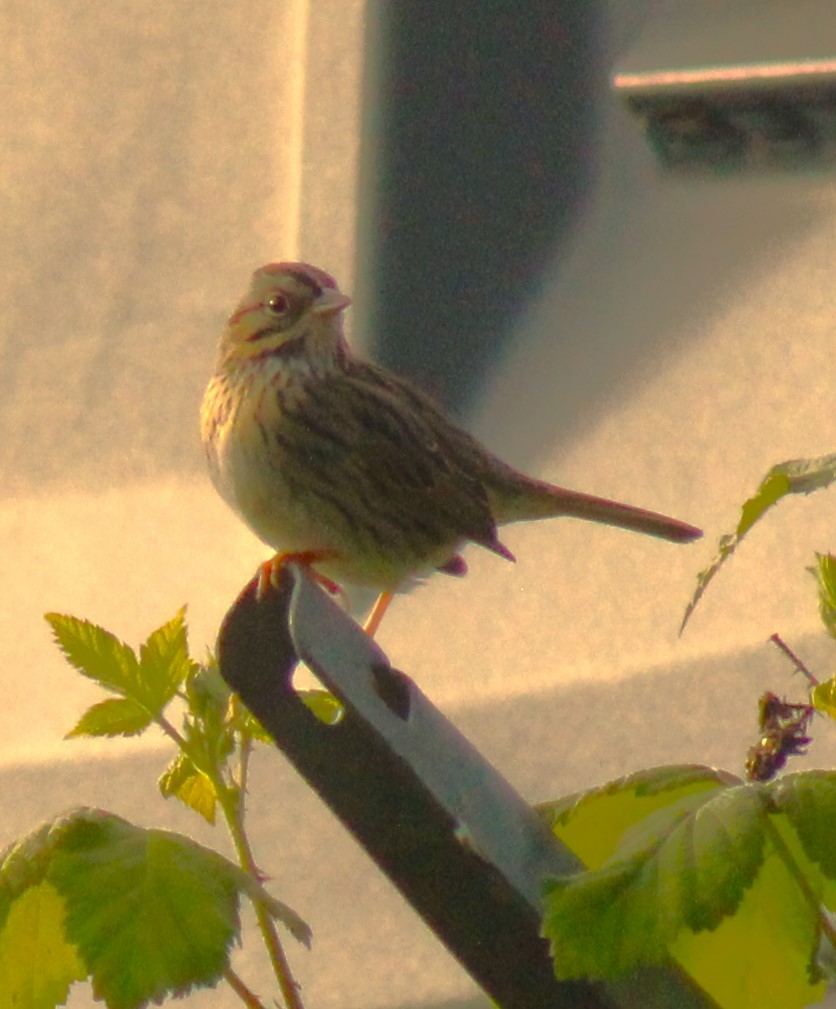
(277, 304)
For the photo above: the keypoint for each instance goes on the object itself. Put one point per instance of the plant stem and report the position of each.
(172, 733)
(232, 804)
(248, 997)
(245, 751)
(231, 800)
(800, 667)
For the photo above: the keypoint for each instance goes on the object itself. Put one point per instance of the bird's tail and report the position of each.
(525, 498)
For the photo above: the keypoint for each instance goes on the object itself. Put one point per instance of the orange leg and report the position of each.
(376, 616)
(268, 573)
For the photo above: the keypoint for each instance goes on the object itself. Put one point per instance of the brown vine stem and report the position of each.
(232, 805)
(776, 639)
(247, 996)
(172, 733)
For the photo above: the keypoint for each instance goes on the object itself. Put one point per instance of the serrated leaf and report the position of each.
(191, 786)
(796, 476)
(775, 485)
(711, 856)
(691, 873)
(165, 662)
(24, 863)
(95, 652)
(116, 716)
(808, 798)
(152, 913)
(823, 697)
(145, 913)
(37, 964)
(825, 575)
(761, 956)
(720, 878)
(592, 823)
(601, 923)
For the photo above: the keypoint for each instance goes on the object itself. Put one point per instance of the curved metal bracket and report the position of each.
(455, 838)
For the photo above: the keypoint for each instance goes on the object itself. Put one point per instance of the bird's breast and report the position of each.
(267, 459)
(242, 422)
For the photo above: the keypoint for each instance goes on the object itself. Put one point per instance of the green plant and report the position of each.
(731, 879)
(144, 914)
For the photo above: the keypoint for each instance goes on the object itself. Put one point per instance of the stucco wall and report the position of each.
(153, 154)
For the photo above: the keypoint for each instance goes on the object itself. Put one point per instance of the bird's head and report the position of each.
(289, 307)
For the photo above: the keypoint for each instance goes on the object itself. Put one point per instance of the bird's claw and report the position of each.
(270, 571)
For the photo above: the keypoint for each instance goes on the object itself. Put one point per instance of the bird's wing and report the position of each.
(387, 446)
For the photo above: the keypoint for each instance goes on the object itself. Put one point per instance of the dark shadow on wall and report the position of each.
(477, 159)
(671, 256)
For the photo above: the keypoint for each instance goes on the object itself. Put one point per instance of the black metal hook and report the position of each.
(450, 832)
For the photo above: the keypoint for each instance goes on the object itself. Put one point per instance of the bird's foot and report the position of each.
(270, 571)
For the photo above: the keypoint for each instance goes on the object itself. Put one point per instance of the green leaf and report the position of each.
(96, 653)
(808, 798)
(37, 964)
(711, 857)
(825, 574)
(208, 693)
(209, 725)
(592, 823)
(761, 957)
(150, 681)
(165, 662)
(601, 924)
(143, 913)
(797, 476)
(728, 881)
(152, 913)
(247, 722)
(823, 697)
(24, 863)
(116, 716)
(690, 871)
(191, 786)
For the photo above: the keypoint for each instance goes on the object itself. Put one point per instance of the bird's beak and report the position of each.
(330, 301)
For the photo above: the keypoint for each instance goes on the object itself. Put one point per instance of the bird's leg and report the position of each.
(269, 572)
(376, 616)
